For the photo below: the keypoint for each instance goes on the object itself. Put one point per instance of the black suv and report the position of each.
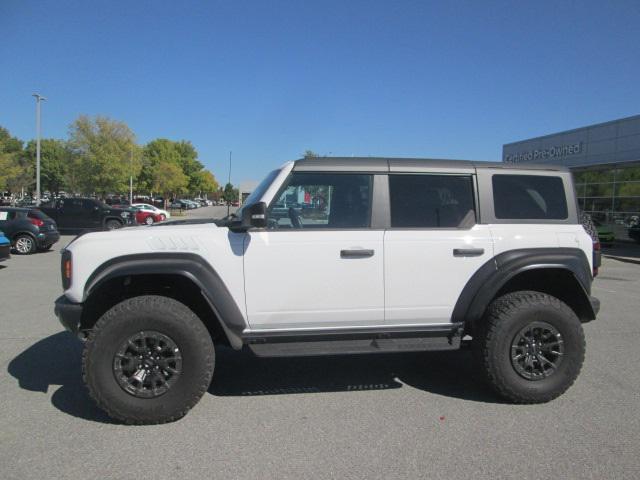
(28, 229)
(89, 214)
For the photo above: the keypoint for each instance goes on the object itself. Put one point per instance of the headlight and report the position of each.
(124, 214)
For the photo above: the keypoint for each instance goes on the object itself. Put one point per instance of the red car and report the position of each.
(145, 217)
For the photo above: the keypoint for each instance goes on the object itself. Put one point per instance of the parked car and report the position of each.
(89, 214)
(164, 214)
(5, 247)
(144, 217)
(28, 229)
(405, 257)
(179, 204)
(605, 233)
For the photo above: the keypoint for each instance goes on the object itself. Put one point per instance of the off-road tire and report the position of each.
(508, 315)
(168, 317)
(112, 224)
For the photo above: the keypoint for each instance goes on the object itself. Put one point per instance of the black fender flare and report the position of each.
(487, 281)
(189, 265)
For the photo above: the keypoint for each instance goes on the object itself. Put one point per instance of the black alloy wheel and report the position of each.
(537, 351)
(147, 364)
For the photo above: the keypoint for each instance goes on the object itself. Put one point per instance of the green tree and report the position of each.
(105, 154)
(168, 179)
(10, 152)
(230, 194)
(55, 160)
(205, 183)
(153, 154)
(310, 154)
(180, 153)
(189, 163)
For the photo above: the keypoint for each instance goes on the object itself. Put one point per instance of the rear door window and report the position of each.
(534, 197)
(431, 201)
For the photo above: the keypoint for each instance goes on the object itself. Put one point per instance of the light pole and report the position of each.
(39, 98)
(131, 176)
(229, 182)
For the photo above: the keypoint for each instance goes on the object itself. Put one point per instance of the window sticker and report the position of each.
(4, 215)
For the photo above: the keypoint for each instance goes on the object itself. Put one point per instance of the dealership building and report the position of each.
(605, 161)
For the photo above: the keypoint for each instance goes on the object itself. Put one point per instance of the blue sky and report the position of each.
(269, 79)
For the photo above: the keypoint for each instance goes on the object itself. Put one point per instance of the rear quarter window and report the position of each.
(529, 197)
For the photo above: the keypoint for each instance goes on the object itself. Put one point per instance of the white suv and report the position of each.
(340, 256)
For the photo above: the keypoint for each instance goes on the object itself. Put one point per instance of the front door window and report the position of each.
(322, 201)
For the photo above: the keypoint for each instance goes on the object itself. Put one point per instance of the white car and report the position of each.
(370, 255)
(152, 208)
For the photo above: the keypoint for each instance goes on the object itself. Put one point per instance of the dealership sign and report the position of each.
(560, 151)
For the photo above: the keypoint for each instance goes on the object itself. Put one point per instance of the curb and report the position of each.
(623, 259)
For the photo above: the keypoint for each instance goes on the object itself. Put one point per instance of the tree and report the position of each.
(310, 154)
(55, 160)
(230, 194)
(153, 154)
(168, 179)
(189, 162)
(10, 151)
(105, 154)
(205, 182)
(180, 153)
(9, 144)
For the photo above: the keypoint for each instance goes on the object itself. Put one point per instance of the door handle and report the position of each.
(356, 253)
(468, 252)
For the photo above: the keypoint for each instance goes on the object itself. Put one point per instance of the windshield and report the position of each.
(259, 191)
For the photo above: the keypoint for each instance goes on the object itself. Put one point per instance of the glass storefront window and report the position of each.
(611, 196)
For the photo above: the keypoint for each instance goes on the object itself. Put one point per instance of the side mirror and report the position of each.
(255, 216)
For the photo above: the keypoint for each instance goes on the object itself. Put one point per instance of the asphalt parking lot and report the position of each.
(385, 416)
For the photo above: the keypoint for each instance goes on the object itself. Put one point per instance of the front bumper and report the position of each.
(69, 314)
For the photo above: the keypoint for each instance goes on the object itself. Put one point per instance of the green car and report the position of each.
(605, 233)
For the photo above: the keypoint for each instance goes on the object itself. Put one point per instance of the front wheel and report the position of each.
(530, 347)
(148, 360)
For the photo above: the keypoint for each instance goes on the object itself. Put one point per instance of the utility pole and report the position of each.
(39, 98)
(229, 182)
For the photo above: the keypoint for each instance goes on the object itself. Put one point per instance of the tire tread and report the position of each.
(493, 325)
(146, 302)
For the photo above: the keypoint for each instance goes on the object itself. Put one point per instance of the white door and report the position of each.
(318, 265)
(433, 247)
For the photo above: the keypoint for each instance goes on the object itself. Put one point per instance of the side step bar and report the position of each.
(337, 342)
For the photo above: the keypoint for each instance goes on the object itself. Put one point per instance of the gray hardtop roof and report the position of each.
(387, 164)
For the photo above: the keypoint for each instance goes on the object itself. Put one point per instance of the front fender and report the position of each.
(189, 265)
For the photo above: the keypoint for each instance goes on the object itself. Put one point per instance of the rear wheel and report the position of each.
(149, 220)
(148, 360)
(113, 224)
(25, 244)
(530, 347)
